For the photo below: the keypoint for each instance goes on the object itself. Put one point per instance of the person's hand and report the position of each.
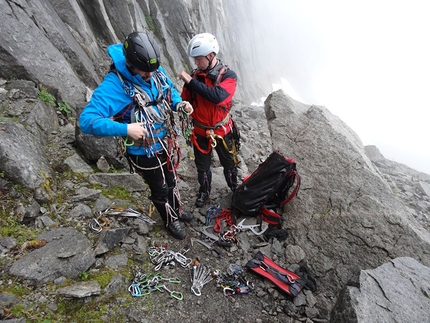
(136, 131)
(185, 106)
(184, 76)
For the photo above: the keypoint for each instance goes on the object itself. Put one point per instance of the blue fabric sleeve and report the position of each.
(107, 100)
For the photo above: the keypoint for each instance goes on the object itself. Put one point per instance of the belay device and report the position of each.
(267, 188)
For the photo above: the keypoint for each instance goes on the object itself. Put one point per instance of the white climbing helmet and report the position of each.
(202, 45)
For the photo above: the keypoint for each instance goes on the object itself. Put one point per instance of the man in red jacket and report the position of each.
(210, 89)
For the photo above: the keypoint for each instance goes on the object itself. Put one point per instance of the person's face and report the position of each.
(202, 62)
(145, 75)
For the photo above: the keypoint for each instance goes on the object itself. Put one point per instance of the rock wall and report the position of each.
(61, 44)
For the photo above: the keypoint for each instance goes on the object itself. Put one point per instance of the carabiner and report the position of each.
(196, 290)
(134, 289)
(173, 294)
(228, 291)
(95, 225)
(127, 144)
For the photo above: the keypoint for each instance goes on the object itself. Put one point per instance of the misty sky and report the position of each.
(368, 62)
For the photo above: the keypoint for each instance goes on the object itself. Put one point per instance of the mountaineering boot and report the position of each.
(176, 230)
(201, 199)
(182, 215)
(173, 225)
(185, 216)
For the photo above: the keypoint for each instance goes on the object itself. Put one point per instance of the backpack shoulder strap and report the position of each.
(296, 189)
(220, 75)
(270, 216)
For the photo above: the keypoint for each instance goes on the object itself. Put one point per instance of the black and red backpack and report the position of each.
(267, 189)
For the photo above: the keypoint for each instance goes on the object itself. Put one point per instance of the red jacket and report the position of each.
(211, 99)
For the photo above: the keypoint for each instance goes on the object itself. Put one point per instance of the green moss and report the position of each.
(17, 310)
(64, 108)
(103, 278)
(16, 288)
(117, 192)
(150, 23)
(46, 97)
(10, 227)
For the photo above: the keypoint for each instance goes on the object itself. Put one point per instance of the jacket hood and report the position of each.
(117, 55)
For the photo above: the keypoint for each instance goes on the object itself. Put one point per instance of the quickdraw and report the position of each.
(162, 257)
(186, 124)
(102, 222)
(200, 275)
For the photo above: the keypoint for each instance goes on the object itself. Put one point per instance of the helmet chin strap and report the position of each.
(210, 64)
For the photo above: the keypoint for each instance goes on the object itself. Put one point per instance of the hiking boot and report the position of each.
(185, 216)
(176, 230)
(201, 199)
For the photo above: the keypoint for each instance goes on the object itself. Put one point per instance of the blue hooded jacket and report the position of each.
(109, 99)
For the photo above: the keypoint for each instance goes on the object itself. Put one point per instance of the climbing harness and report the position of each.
(216, 75)
(143, 111)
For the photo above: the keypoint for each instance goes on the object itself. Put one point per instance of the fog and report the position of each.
(366, 61)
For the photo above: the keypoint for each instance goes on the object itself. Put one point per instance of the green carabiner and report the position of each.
(174, 280)
(127, 144)
(177, 295)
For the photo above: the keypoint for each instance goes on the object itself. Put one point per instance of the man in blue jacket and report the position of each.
(135, 100)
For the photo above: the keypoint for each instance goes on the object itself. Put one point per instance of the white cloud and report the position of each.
(369, 63)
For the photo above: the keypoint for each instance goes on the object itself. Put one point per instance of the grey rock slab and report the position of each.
(67, 253)
(130, 182)
(80, 290)
(77, 164)
(397, 291)
(23, 160)
(109, 239)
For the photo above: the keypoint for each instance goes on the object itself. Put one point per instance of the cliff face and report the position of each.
(61, 44)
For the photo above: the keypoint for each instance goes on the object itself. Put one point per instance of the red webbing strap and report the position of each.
(269, 216)
(225, 215)
(193, 139)
(295, 191)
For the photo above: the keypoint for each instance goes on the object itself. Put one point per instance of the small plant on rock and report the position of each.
(46, 97)
(64, 108)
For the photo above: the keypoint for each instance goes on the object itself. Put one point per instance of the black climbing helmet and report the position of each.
(142, 51)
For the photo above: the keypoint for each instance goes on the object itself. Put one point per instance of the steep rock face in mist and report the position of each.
(62, 44)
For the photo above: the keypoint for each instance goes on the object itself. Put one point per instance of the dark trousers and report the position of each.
(203, 162)
(161, 182)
